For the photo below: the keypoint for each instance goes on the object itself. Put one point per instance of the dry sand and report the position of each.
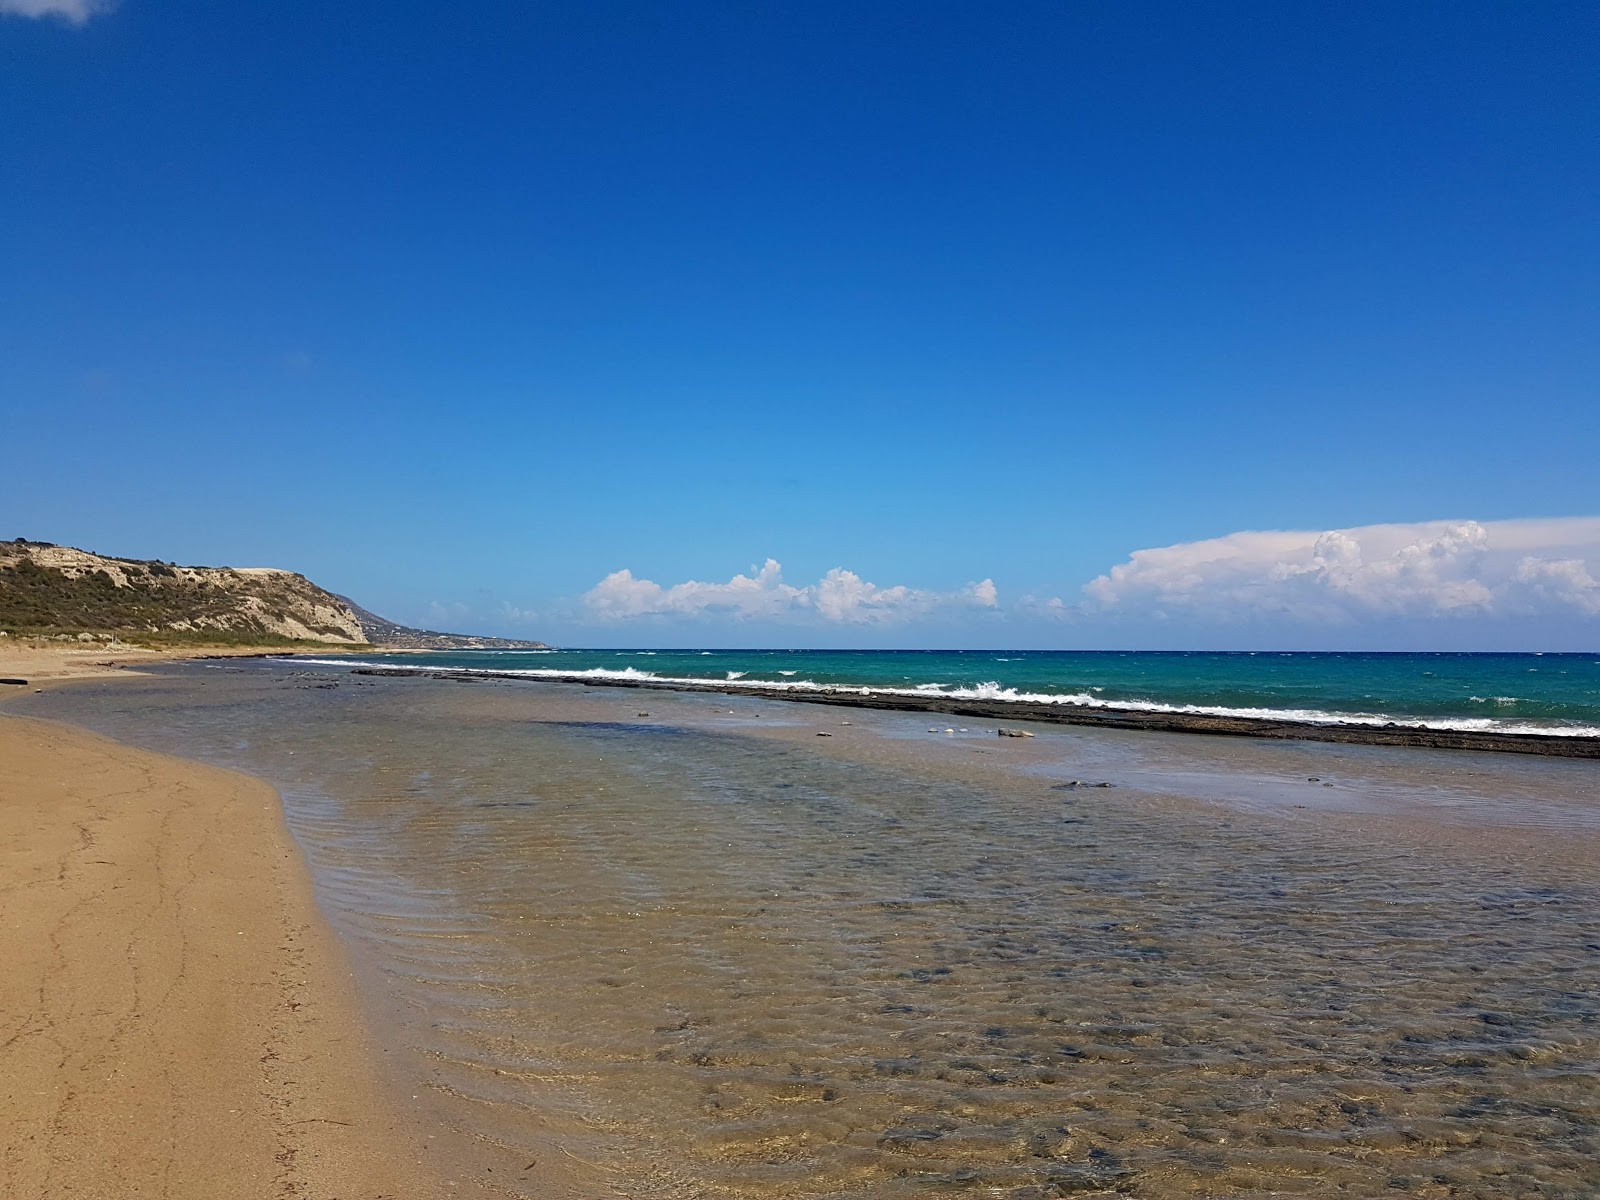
(175, 1019)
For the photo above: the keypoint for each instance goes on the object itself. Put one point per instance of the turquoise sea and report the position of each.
(1527, 693)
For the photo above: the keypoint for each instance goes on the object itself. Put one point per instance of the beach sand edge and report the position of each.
(32, 663)
(176, 1019)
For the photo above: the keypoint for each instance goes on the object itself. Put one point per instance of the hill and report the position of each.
(381, 631)
(54, 591)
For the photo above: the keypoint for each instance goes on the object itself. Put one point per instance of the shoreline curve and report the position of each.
(176, 1016)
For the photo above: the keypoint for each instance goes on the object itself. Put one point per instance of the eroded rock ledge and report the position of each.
(1394, 734)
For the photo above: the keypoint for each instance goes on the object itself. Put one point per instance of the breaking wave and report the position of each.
(999, 693)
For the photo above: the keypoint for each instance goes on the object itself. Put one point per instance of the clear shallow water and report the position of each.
(687, 955)
(1527, 693)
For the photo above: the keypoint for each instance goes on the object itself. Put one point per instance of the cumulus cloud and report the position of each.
(1561, 582)
(762, 593)
(74, 12)
(1436, 569)
(983, 593)
(840, 596)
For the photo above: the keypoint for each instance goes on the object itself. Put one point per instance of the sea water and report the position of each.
(694, 950)
(1512, 693)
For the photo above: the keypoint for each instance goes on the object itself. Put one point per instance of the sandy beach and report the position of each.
(42, 663)
(175, 1019)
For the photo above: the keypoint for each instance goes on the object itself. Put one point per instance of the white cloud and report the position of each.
(760, 593)
(74, 12)
(845, 596)
(840, 596)
(983, 593)
(1435, 569)
(1562, 582)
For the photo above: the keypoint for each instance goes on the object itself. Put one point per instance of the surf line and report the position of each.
(1391, 734)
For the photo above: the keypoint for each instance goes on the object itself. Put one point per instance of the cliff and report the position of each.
(55, 591)
(48, 590)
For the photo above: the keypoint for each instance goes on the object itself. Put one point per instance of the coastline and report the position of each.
(567, 1024)
(179, 1019)
(24, 663)
(1395, 734)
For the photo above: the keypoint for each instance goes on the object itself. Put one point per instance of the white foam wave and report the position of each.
(523, 673)
(994, 691)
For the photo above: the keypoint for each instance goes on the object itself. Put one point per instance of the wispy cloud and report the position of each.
(444, 613)
(1428, 570)
(519, 616)
(74, 12)
(840, 596)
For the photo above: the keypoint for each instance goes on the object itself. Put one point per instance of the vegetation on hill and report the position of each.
(57, 591)
(49, 590)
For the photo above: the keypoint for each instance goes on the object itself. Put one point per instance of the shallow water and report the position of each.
(704, 954)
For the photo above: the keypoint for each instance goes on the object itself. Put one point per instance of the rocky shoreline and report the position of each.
(1393, 734)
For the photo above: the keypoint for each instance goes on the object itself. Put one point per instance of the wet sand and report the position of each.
(34, 662)
(176, 1020)
(689, 948)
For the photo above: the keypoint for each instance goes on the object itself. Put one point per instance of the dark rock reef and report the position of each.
(1394, 734)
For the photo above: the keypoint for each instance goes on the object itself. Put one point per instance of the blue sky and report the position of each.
(466, 310)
